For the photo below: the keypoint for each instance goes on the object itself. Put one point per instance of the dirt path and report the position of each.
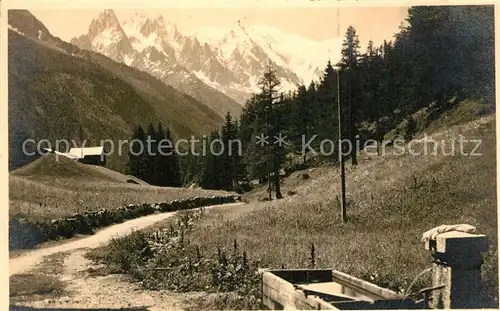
(84, 289)
(27, 261)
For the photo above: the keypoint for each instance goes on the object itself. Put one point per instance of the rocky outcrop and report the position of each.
(26, 234)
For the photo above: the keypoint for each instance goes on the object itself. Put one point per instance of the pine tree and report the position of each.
(349, 64)
(370, 73)
(327, 96)
(211, 166)
(231, 156)
(151, 156)
(239, 164)
(302, 119)
(161, 165)
(173, 170)
(136, 165)
(253, 124)
(269, 86)
(312, 97)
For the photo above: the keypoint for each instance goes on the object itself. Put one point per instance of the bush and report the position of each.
(165, 259)
(85, 223)
(126, 254)
(409, 129)
(24, 234)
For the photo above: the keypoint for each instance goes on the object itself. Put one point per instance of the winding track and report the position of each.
(27, 261)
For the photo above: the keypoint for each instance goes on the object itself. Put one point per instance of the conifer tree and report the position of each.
(211, 165)
(327, 96)
(161, 163)
(136, 165)
(302, 117)
(269, 87)
(228, 159)
(151, 156)
(173, 170)
(349, 64)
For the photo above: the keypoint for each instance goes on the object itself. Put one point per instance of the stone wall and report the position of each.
(26, 234)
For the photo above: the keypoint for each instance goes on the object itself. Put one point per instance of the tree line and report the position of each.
(440, 56)
(154, 166)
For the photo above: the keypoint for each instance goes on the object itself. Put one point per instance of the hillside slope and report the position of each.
(55, 88)
(391, 201)
(52, 167)
(52, 187)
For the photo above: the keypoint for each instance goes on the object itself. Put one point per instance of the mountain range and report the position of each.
(229, 61)
(140, 71)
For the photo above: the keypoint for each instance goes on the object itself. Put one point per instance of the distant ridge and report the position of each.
(55, 88)
(134, 44)
(228, 60)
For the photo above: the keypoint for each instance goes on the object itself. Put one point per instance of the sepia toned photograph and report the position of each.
(241, 156)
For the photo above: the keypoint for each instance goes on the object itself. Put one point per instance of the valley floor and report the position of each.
(392, 200)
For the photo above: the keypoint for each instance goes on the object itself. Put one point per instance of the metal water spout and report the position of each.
(408, 290)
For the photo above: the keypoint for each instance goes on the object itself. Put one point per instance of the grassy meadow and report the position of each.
(53, 187)
(392, 200)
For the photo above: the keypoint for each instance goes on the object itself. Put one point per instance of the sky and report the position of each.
(320, 23)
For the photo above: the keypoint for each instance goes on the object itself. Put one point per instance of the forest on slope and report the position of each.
(441, 58)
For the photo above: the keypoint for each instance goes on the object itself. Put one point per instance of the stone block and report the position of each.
(458, 248)
(457, 266)
(454, 240)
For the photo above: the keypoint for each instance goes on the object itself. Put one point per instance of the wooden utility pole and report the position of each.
(268, 160)
(341, 154)
(276, 167)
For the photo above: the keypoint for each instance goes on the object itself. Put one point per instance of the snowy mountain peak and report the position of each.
(229, 60)
(235, 42)
(166, 25)
(145, 25)
(210, 34)
(238, 32)
(144, 32)
(105, 20)
(151, 26)
(108, 13)
(107, 37)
